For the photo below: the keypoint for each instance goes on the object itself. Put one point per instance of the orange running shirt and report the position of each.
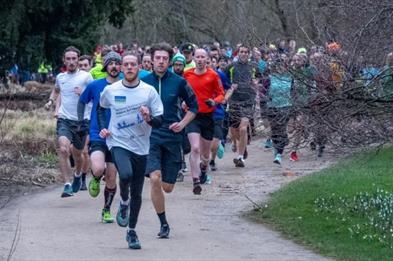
(205, 86)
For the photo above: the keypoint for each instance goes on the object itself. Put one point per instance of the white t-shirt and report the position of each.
(127, 126)
(67, 82)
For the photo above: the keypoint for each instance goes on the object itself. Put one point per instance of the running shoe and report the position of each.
(239, 163)
(67, 192)
(268, 144)
(132, 239)
(245, 155)
(106, 216)
(197, 189)
(220, 151)
(94, 187)
(164, 231)
(76, 184)
(209, 179)
(122, 215)
(83, 185)
(293, 156)
(278, 158)
(213, 166)
(203, 175)
(180, 176)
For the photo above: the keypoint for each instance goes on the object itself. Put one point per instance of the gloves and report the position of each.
(210, 103)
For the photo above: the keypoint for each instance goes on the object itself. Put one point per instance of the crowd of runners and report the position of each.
(139, 112)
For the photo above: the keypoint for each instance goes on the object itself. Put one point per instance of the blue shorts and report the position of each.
(166, 157)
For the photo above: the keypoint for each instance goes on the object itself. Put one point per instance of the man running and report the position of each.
(165, 155)
(208, 89)
(70, 130)
(100, 157)
(243, 76)
(135, 107)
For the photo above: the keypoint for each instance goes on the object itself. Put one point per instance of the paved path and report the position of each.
(207, 227)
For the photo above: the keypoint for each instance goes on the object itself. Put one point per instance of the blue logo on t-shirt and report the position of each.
(120, 99)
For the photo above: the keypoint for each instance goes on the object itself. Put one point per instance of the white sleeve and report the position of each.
(89, 79)
(104, 98)
(155, 103)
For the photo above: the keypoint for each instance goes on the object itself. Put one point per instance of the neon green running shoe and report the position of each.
(94, 187)
(106, 216)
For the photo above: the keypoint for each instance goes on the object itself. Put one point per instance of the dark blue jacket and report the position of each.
(219, 113)
(173, 89)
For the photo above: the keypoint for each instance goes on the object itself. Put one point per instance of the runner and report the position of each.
(100, 157)
(135, 107)
(243, 76)
(187, 50)
(279, 103)
(69, 129)
(165, 155)
(302, 87)
(218, 117)
(208, 89)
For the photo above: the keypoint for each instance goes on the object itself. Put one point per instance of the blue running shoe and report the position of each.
(122, 215)
(76, 184)
(67, 192)
(268, 144)
(164, 231)
(277, 159)
(132, 239)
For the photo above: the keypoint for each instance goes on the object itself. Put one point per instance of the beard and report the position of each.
(114, 73)
(130, 77)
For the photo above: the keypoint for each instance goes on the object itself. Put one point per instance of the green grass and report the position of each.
(48, 159)
(330, 211)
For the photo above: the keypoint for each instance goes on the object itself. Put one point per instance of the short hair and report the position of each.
(85, 57)
(132, 53)
(243, 46)
(72, 49)
(163, 46)
(222, 57)
(213, 48)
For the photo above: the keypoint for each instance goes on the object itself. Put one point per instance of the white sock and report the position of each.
(77, 174)
(130, 229)
(125, 203)
(68, 183)
(240, 157)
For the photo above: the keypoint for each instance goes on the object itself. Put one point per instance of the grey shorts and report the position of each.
(69, 129)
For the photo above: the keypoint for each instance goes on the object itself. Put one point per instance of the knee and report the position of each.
(243, 129)
(195, 150)
(110, 178)
(98, 169)
(124, 177)
(64, 151)
(168, 188)
(85, 153)
(155, 179)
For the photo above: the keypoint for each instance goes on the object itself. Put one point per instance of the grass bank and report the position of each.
(345, 211)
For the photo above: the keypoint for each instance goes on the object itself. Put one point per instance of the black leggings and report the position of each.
(131, 168)
(278, 119)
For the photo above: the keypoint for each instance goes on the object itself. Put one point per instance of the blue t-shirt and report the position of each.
(92, 93)
(142, 73)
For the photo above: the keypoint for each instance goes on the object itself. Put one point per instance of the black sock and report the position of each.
(83, 176)
(109, 194)
(162, 218)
